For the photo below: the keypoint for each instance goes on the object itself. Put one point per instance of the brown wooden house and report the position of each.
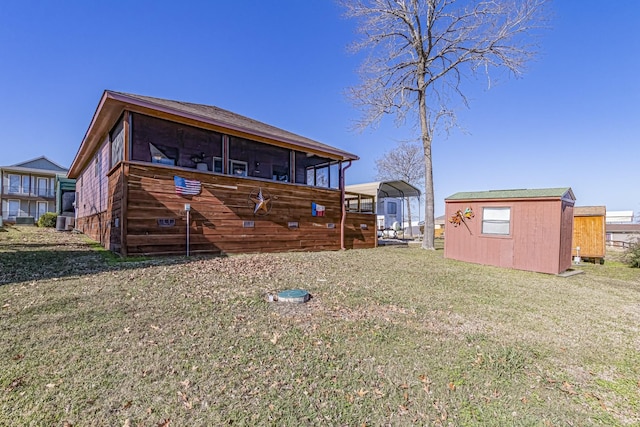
(156, 176)
(521, 229)
(589, 232)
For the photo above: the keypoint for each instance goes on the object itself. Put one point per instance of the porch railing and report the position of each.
(361, 203)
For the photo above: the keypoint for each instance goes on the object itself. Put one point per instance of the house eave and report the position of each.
(113, 104)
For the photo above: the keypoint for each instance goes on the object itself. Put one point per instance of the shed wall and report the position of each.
(534, 242)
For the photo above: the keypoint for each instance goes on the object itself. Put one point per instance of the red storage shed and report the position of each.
(527, 229)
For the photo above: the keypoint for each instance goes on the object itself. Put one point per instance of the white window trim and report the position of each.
(496, 219)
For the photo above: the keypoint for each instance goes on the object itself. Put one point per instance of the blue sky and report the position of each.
(572, 120)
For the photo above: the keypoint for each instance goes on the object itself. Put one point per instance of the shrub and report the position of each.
(632, 257)
(48, 219)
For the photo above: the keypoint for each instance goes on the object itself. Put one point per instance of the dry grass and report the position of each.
(392, 336)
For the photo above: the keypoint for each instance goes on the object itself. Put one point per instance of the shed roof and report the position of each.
(589, 211)
(112, 104)
(397, 188)
(535, 193)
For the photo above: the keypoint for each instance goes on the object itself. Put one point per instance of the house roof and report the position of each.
(589, 211)
(536, 193)
(112, 104)
(38, 165)
(622, 228)
(382, 189)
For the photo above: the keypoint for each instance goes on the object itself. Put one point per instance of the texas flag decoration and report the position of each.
(317, 210)
(187, 187)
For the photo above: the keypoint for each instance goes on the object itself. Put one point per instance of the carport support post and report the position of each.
(187, 208)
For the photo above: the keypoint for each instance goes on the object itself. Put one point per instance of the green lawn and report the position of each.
(391, 336)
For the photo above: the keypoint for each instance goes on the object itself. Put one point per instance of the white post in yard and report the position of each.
(187, 208)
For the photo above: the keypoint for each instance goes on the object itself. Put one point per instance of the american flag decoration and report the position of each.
(187, 187)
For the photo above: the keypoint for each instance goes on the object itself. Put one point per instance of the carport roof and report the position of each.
(382, 189)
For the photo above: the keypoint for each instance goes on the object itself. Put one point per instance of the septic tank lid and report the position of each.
(293, 295)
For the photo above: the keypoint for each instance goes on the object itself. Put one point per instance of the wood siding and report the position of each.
(537, 240)
(92, 185)
(155, 218)
(589, 235)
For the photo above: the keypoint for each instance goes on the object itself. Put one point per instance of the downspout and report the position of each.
(344, 210)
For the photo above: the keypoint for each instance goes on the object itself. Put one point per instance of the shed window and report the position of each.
(496, 220)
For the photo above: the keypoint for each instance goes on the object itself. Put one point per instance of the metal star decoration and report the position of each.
(261, 201)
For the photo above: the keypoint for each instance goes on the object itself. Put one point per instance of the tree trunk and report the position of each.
(426, 136)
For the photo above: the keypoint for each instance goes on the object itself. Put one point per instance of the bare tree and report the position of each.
(421, 51)
(404, 162)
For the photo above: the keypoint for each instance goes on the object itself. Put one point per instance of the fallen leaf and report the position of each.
(126, 405)
(568, 388)
(51, 385)
(18, 357)
(15, 383)
(452, 386)
(275, 338)
(362, 392)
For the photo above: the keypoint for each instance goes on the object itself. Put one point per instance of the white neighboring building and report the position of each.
(619, 217)
(389, 199)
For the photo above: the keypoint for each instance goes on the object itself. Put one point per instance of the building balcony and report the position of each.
(36, 193)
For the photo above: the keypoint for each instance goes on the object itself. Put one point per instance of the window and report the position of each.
(217, 165)
(14, 183)
(43, 190)
(496, 221)
(14, 208)
(25, 184)
(236, 167)
(392, 208)
(325, 175)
